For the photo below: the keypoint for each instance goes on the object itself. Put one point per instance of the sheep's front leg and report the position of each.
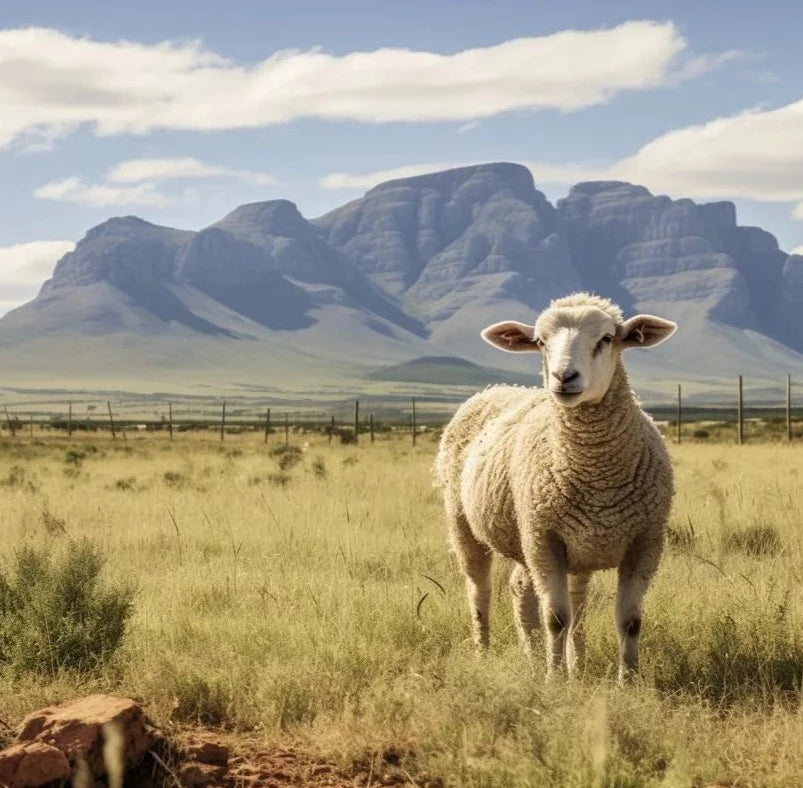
(548, 568)
(635, 573)
(575, 643)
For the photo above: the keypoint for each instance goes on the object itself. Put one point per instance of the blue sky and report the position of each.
(179, 111)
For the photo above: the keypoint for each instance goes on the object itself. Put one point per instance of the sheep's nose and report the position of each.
(566, 375)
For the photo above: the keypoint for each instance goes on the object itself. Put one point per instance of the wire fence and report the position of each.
(357, 420)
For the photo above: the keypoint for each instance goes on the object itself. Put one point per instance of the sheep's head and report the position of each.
(581, 337)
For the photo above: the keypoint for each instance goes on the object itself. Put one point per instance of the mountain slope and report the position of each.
(415, 268)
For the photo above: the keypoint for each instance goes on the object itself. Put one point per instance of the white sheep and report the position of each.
(564, 480)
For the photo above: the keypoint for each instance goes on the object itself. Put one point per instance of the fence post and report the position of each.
(741, 413)
(170, 418)
(331, 429)
(11, 428)
(356, 421)
(267, 424)
(371, 426)
(111, 420)
(223, 421)
(31, 418)
(788, 407)
(680, 414)
(414, 425)
(69, 421)
(286, 429)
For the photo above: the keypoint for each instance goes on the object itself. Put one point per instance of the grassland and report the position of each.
(309, 597)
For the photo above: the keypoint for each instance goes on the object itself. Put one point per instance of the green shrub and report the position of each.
(74, 456)
(319, 467)
(56, 614)
(174, 479)
(289, 456)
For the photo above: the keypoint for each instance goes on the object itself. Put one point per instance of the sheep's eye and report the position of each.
(606, 340)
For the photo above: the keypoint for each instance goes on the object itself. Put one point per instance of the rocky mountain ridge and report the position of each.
(418, 266)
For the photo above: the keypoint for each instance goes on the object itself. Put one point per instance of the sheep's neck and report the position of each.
(603, 441)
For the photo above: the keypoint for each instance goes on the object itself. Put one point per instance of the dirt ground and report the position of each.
(215, 759)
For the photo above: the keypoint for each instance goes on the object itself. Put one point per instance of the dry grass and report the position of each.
(315, 599)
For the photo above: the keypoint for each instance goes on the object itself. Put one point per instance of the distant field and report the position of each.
(309, 596)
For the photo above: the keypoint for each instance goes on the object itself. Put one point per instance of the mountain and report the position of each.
(457, 246)
(450, 370)
(413, 269)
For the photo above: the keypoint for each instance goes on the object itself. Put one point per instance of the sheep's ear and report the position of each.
(512, 336)
(646, 331)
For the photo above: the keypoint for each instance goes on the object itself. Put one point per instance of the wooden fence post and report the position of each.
(170, 418)
(223, 421)
(741, 413)
(286, 429)
(356, 421)
(788, 407)
(371, 426)
(680, 414)
(69, 421)
(111, 420)
(11, 427)
(267, 424)
(414, 425)
(31, 417)
(331, 429)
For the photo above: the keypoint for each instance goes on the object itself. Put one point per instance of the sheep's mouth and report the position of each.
(566, 395)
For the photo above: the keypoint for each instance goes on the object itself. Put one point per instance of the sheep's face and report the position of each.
(580, 346)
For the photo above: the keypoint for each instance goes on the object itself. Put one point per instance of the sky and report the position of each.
(179, 111)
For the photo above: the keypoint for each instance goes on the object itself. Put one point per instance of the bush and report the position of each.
(174, 479)
(319, 467)
(55, 614)
(701, 434)
(289, 456)
(755, 540)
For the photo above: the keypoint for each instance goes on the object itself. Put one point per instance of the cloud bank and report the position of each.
(755, 155)
(52, 83)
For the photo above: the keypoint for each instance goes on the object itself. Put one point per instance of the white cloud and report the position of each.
(797, 250)
(466, 127)
(141, 170)
(345, 180)
(23, 268)
(77, 190)
(797, 211)
(137, 181)
(51, 83)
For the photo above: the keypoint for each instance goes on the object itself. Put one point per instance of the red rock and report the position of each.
(77, 729)
(32, 764)
(200, 775)
(205, 751)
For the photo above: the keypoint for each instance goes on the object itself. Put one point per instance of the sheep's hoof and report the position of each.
(627, 677)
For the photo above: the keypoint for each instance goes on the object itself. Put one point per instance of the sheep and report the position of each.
(564, 480)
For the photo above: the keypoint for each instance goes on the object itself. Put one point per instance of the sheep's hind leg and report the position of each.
(635, 573)
(475, 561)
(575, 643)
(525, 606)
